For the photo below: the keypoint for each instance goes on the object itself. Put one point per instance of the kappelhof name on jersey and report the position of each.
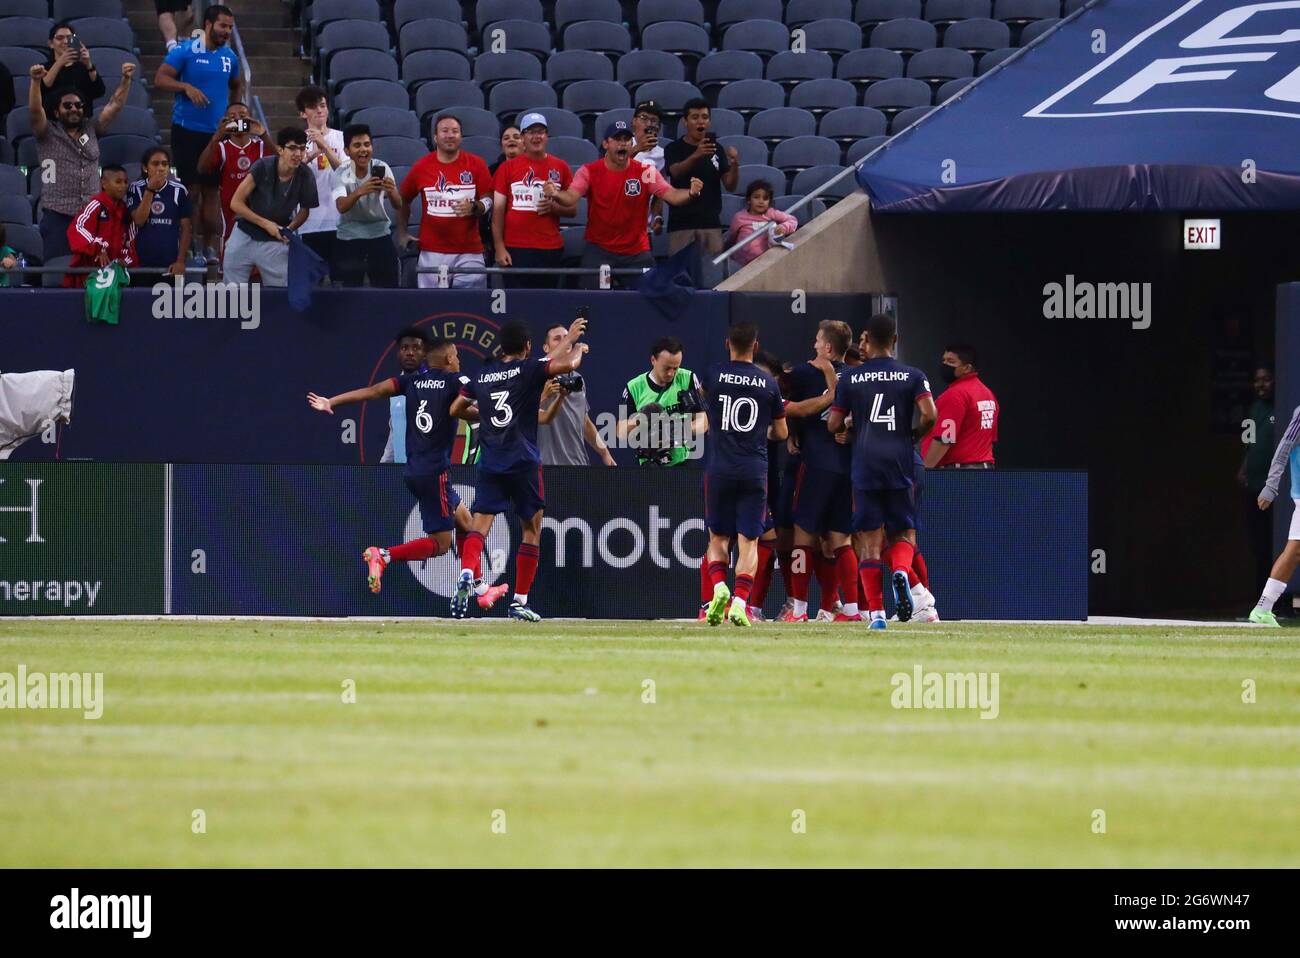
(1213, 56)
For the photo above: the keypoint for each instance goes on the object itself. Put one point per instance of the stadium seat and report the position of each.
(849, 124)
(872, 13)
(1072, 5)
(836, 37)
(493, 68)
(6, 152)
(905, 36)
(716, 70)
(977, 36)
(476, 121)
(611, 39)
(810, 179)
(801, 152)
(993, 58)
(819, 97)
(515, 96)
(779, 123)
(574, 11)
(406, 11)
(671, 95)
(350, 35)
(348, 66)
(559, 122)
(400, 150)
(865, 67)
(137, 94)
(438, 95)
(738, 11)
(386, 121)
(570, 66)
(15, 208)
(865, 146)
(76, 9)
(573, 150)
(134, 121)
(790, 68)
(18, 125)
(1034, 30)
(936, 67)
(104, 32)
(12, 181)
(519, 36)
(39, 9)
(24, 31)
(748, 97)
(587, 98)
(905, 118)
(891, 96)
(27, 240)
(28, 157)
(725, 122)
(801, 12)
(20, 59)
(322, 12)
(732, 203)
(369, 92)
(764, 37)
(804, 214)
(487, 12)
(759, 171)
(109, 61)
(641, 66)
(427, 65)
(751, 150)
(432, 35)
(943, 13)
(952, 88)
(488, 147)
(663, 11)
(1020, 13)
(575, 244)
(689, 41)
(125, 148)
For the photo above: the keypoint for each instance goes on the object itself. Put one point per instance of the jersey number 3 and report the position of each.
(500, 399)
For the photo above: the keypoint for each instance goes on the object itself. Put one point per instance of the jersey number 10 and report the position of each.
(739, 414)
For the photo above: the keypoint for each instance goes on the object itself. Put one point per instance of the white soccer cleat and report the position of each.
(825, 616)
(930, 614)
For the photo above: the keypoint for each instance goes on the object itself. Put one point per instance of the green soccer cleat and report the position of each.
(1264, 617)
(738, 615)
(718, 607)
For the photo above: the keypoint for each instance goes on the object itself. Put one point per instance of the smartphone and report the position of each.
(241, 126)
(583, 311)
(74, 42)
(711, 137)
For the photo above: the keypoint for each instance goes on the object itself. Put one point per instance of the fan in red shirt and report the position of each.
(525, 213)
(967, 426)
(102, 231)
(455, 189)
(618, 190)
(235, 146)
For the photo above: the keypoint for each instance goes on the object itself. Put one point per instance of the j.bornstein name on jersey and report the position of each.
(738, 379)
(501, 375)
(133, 912)
(892, 376)
(182, 300)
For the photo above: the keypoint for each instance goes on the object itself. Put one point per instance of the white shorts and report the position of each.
(450, 260)
(1295, 522)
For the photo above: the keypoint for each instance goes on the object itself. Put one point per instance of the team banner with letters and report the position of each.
(94, 538)
(1128, 105)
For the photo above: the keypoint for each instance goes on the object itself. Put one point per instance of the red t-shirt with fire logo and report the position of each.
(440, 185)
(520, 182)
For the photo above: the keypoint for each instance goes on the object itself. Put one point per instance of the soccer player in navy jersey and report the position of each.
(508, 392)
(745, 411)
(430, 432)
(881, 396)
(822, 510)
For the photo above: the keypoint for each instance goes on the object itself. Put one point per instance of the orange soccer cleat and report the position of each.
(375, 565)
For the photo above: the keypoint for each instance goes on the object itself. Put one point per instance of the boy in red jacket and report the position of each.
(102, 231)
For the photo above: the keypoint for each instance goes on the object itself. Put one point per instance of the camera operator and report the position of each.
(661, 413)
(564, 426)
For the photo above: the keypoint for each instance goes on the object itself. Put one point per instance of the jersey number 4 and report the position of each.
(500, 400)
(887, 419)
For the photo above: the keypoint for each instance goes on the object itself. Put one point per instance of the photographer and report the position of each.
(662, 407)
(565, 428)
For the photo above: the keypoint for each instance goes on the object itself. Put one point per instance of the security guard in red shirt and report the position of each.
(967, 425)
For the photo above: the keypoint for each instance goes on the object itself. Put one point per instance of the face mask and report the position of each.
(949, 373)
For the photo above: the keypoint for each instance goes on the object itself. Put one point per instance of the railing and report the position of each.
(605, 272)
(857, 165)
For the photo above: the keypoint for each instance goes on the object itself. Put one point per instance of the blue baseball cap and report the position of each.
(617, 128)
(531, 119)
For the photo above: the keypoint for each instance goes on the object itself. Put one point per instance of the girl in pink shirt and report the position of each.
(758, 199)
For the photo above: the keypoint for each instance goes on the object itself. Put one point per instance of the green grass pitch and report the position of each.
(501, 743)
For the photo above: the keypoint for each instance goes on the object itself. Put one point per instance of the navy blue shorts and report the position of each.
(783, 511)
(823, 501)
(734, 506)
(494, 493)
(438, 501)
(891, 508)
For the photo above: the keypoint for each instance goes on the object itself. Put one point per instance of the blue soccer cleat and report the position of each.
(902, 595)
(460, 600)
(521, 612)
(877, 624)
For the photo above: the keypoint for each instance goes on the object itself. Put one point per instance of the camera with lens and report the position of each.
(688, 404)
(570, 382)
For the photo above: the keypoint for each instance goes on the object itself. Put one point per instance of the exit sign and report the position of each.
(1201, 234)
